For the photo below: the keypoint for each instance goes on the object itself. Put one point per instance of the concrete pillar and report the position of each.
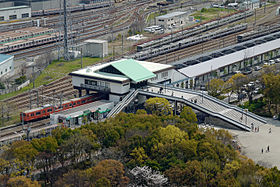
(80, 92)
(175, 108)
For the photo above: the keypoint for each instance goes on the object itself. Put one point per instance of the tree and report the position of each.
(188, 114)
(215, 87)
(22, 181)
(158, 106)
(234, 84)
(24, 152)
(271, 89)
(138, 156)
(74, 178)
(146, 176)
(110, 169)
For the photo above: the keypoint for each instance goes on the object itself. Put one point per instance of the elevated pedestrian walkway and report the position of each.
(122, 104)
(229, 113)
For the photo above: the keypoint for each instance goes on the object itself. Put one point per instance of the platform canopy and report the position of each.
(133, 70)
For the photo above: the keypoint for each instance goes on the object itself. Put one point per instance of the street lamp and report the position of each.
(246, 110)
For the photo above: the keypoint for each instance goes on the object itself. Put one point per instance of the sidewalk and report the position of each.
(253, 142)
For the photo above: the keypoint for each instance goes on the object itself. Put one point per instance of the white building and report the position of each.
(95, 48)
(174, 19)
(250, 4)
(118, 77)
(6, 64)
(13, 13)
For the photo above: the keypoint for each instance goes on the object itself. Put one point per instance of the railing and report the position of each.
(203, 109)
(120, 106)
(93, 87)
(223, 103)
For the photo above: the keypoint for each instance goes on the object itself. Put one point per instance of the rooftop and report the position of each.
(95, 41)
(4, 57)
(13, 8)
(80, 109)
(131, 69)
(170, 15)
(216, 63)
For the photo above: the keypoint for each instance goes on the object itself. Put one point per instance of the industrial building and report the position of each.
(117, 78)
(95, 48)
(6, 65)
(174, 19)
(14, 13)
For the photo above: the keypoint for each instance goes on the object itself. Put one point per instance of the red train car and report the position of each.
(46, 110)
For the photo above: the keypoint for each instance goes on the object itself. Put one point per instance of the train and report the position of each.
(71, 9)
(192, 31)
(258, 33)
(46, 110)
(32, 42)
(186, 42)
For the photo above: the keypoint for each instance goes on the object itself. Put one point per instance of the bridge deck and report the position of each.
(208, 104)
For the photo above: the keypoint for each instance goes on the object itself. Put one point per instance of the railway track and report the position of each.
(22, 129)
(207, 46)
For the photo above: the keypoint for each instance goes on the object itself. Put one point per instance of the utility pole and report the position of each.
(66, 48)
(37, 95)
(113, 52)
(122, 45)
(81, 57)
(33, 76)
(30, 104)
(255, 18)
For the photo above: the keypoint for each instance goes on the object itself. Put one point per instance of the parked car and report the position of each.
(257, 68)
(236, 72)
(271, 62)
(277, 60)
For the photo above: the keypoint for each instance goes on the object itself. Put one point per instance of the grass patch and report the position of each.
(56, 70)
(206, 14)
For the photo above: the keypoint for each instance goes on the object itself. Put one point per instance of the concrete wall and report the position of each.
(119, 88)
(176, 20)
(17, 12)
(7, 67)
(95, 49)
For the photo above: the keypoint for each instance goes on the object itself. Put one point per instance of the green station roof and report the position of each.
(133, 70)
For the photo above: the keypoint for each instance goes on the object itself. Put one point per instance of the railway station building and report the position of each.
(117, 78)
(6, 65)
(224, 62)
(14, 13)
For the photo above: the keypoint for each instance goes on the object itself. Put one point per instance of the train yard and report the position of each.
(169, 48)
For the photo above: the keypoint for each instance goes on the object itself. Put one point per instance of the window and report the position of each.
(70, 105)
(44, 111)
(10, 67)
(66, 106)
(26, 15)
(74, 104)
(32, 114)
(78, 102)
(83, 101)
(5, 70)
(38, 113)
(12, 17)
(49, 110)
(1, 18)
(164, 74)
